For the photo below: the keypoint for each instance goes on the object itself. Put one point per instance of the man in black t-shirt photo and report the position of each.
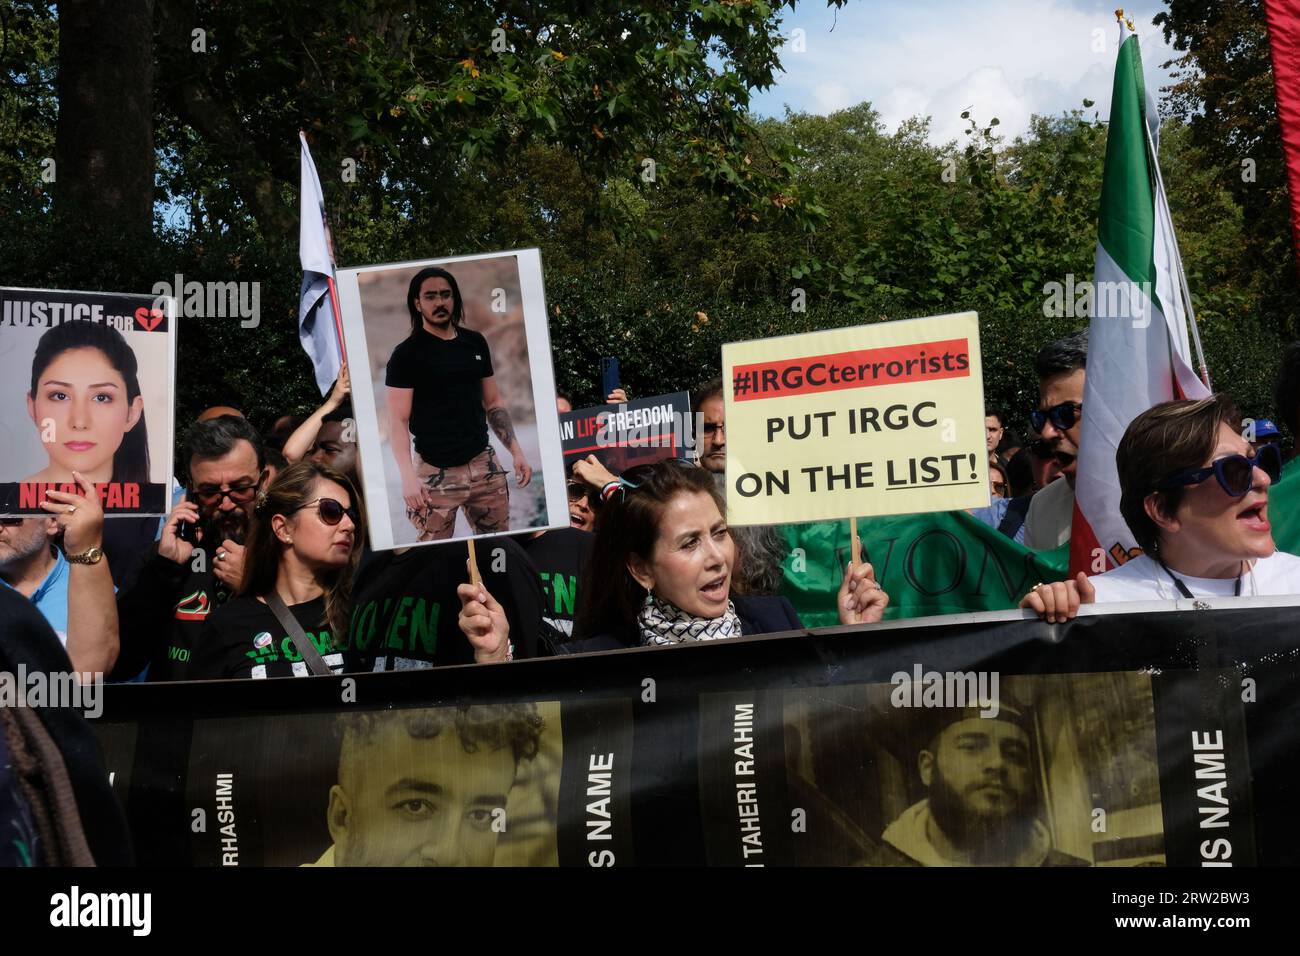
(442, 394)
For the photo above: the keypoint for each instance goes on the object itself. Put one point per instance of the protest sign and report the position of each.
(634, 433)
(454, 397)
(87, 385)
(1148, 735)
(875, 420)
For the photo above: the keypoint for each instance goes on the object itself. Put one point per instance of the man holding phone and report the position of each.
(199, 559)
(443, 394)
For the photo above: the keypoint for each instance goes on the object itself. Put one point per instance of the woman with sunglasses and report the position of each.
(663, 569)
(302, 550)
(1196, 499)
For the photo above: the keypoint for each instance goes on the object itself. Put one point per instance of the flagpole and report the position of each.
(338, 320)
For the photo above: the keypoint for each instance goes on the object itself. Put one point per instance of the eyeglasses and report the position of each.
(712, 428)
(11, 522)
(1000, 488)
(331, 512)
(240, 493)
(1063, 416)
(576, 490)
(1235, 473)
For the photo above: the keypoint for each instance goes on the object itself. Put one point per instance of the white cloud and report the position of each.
(1004, 58)
(832, 96)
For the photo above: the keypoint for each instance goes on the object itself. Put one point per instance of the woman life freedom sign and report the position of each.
(880, 419)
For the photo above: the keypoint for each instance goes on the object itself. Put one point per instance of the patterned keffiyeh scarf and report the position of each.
(662, 623)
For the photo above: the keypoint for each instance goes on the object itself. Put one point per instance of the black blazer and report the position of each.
(758, 615)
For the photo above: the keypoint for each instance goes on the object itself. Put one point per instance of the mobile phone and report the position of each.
(185, 531)
(608, 376)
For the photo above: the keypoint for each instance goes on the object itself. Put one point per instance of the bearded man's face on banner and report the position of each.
(980, 784)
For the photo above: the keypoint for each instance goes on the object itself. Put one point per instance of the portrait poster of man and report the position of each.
(86, 387)
(450, 363)
(475, 785)
(1059, 770)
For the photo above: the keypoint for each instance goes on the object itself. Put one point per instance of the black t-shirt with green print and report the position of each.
(406, 613)
(242, 638)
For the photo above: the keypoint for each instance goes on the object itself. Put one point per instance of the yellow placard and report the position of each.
(881, 419)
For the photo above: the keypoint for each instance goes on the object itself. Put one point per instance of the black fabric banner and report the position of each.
(1125, 739)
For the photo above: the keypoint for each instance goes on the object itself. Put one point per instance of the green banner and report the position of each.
(940, 563)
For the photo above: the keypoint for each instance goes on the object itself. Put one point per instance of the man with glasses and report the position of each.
(1061, 370)
(1196, 499)
(199, 558)
(711, 413)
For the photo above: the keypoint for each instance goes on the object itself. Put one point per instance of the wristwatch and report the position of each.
(89, 556)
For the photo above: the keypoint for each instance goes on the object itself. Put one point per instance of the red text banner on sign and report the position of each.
(895, 365)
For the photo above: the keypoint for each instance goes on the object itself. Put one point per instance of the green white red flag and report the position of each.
(1139, 352)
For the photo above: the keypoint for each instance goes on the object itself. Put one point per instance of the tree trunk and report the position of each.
(104, 153)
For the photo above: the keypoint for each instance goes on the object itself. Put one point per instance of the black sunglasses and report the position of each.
(1063, 416)
(241, 493)
(1235, 473)
(576, 490)
(11, 522)
(331, 512)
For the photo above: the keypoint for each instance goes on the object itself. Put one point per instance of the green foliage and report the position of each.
(29, 41)
(461, 147)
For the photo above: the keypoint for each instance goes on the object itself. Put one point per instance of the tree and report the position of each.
(104, 147)
(1224, 92)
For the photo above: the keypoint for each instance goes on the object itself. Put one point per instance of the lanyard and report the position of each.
(1182, 588)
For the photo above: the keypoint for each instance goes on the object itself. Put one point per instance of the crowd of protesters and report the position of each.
(262, 568)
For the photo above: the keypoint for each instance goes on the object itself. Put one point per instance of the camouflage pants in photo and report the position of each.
(480, 486)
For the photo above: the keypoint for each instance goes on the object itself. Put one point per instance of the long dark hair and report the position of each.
(413, 293)
(131, 460)
(628, 524)
(291, 490)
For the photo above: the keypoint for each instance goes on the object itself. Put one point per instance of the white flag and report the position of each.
(317, 323)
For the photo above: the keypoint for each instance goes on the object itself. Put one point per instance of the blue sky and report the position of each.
(1005, 58)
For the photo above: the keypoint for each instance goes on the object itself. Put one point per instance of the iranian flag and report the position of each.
(1138, 348)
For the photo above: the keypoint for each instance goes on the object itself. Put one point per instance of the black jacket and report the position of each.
(758, 615)
(161, 618)
(26, 639)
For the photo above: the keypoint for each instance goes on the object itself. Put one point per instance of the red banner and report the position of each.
(1284, 41)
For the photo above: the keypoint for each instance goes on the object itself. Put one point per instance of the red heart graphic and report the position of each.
(150, 319)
